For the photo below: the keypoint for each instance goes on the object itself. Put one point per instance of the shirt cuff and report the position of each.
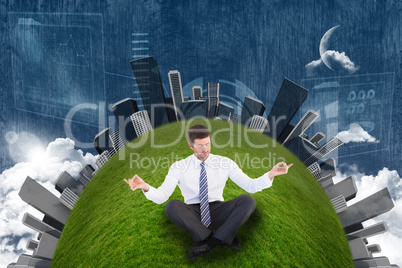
(272, 177)
(269, 181)
(149, 193)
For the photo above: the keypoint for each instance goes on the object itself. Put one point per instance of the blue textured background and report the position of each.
(254, 42)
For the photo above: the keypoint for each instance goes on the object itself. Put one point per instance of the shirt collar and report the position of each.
(198, 161)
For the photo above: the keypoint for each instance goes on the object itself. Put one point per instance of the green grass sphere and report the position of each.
(294, 224)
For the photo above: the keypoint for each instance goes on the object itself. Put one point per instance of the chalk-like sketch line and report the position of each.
(78, 52)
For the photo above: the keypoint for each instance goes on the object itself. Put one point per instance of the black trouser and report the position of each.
(226, 217)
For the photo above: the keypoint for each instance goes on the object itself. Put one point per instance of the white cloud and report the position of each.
(355, 134)
(43, 165)
(391, 241)
(310, 67)
(313, 64)
(329, 59)
(340, 58)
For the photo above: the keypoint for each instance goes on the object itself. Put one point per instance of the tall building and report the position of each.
(319, 136)
(171, 111)
(39, 197)
(65, 180)
(365, 210)
(87, 171)
(197, 92)
(347, 188)
(328, 167)
(148, 78)
(213, 100)
(369, 231)
(176, 90)
(302, 148)
(102, 141)
(288, 101)
(224, 110)
(46, 247)
(52, 222)
(123, 110)
(315, 170)
(141, 122)
(194, 108)
(104, 157)
(68, 198)
(258, 123)
(234, 118)
(324, 150)
(307, 120)
(118, 140)
(251, 107)
(286, 132)
(39, 226)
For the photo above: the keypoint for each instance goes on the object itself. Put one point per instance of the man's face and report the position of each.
(201, 148)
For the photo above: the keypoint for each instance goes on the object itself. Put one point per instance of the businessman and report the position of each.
(201, 177)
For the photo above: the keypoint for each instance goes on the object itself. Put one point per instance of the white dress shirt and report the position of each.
(186, 174)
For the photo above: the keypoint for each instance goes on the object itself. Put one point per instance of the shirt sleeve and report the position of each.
(248, 184)
(161, 195)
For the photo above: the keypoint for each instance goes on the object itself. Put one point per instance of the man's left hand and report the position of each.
(279, 169)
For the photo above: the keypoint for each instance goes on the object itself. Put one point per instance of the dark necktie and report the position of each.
(204, 204)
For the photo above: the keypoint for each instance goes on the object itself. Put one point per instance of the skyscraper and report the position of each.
(251, 106)
(118, 140)
(123, 110)
(234, 118)
(141, 122)
(224, 110)
(197, 92)
(258, 123)
(147, 75)
(304, 123)
(288, 101)
(315, 170)
(87, 171)
(102, 140)
(171, 111)
(43, 200)
(303, 148)
(286, 132)
(364, 210)
(328, 167)
(104, 157)
(176, 90)
(319, 136)
(68, 198)
(194, 108)
(324, 150)
(213, 99)
(347, 188)
(369, 231)
(65, 180)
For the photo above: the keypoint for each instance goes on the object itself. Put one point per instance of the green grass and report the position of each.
(294, 224)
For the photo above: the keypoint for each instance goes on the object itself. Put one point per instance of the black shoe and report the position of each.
(235, 244)
(198, 250)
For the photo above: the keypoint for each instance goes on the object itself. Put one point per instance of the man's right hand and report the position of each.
(137, 183)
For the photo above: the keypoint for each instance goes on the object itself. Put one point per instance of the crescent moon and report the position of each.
(324, 45)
